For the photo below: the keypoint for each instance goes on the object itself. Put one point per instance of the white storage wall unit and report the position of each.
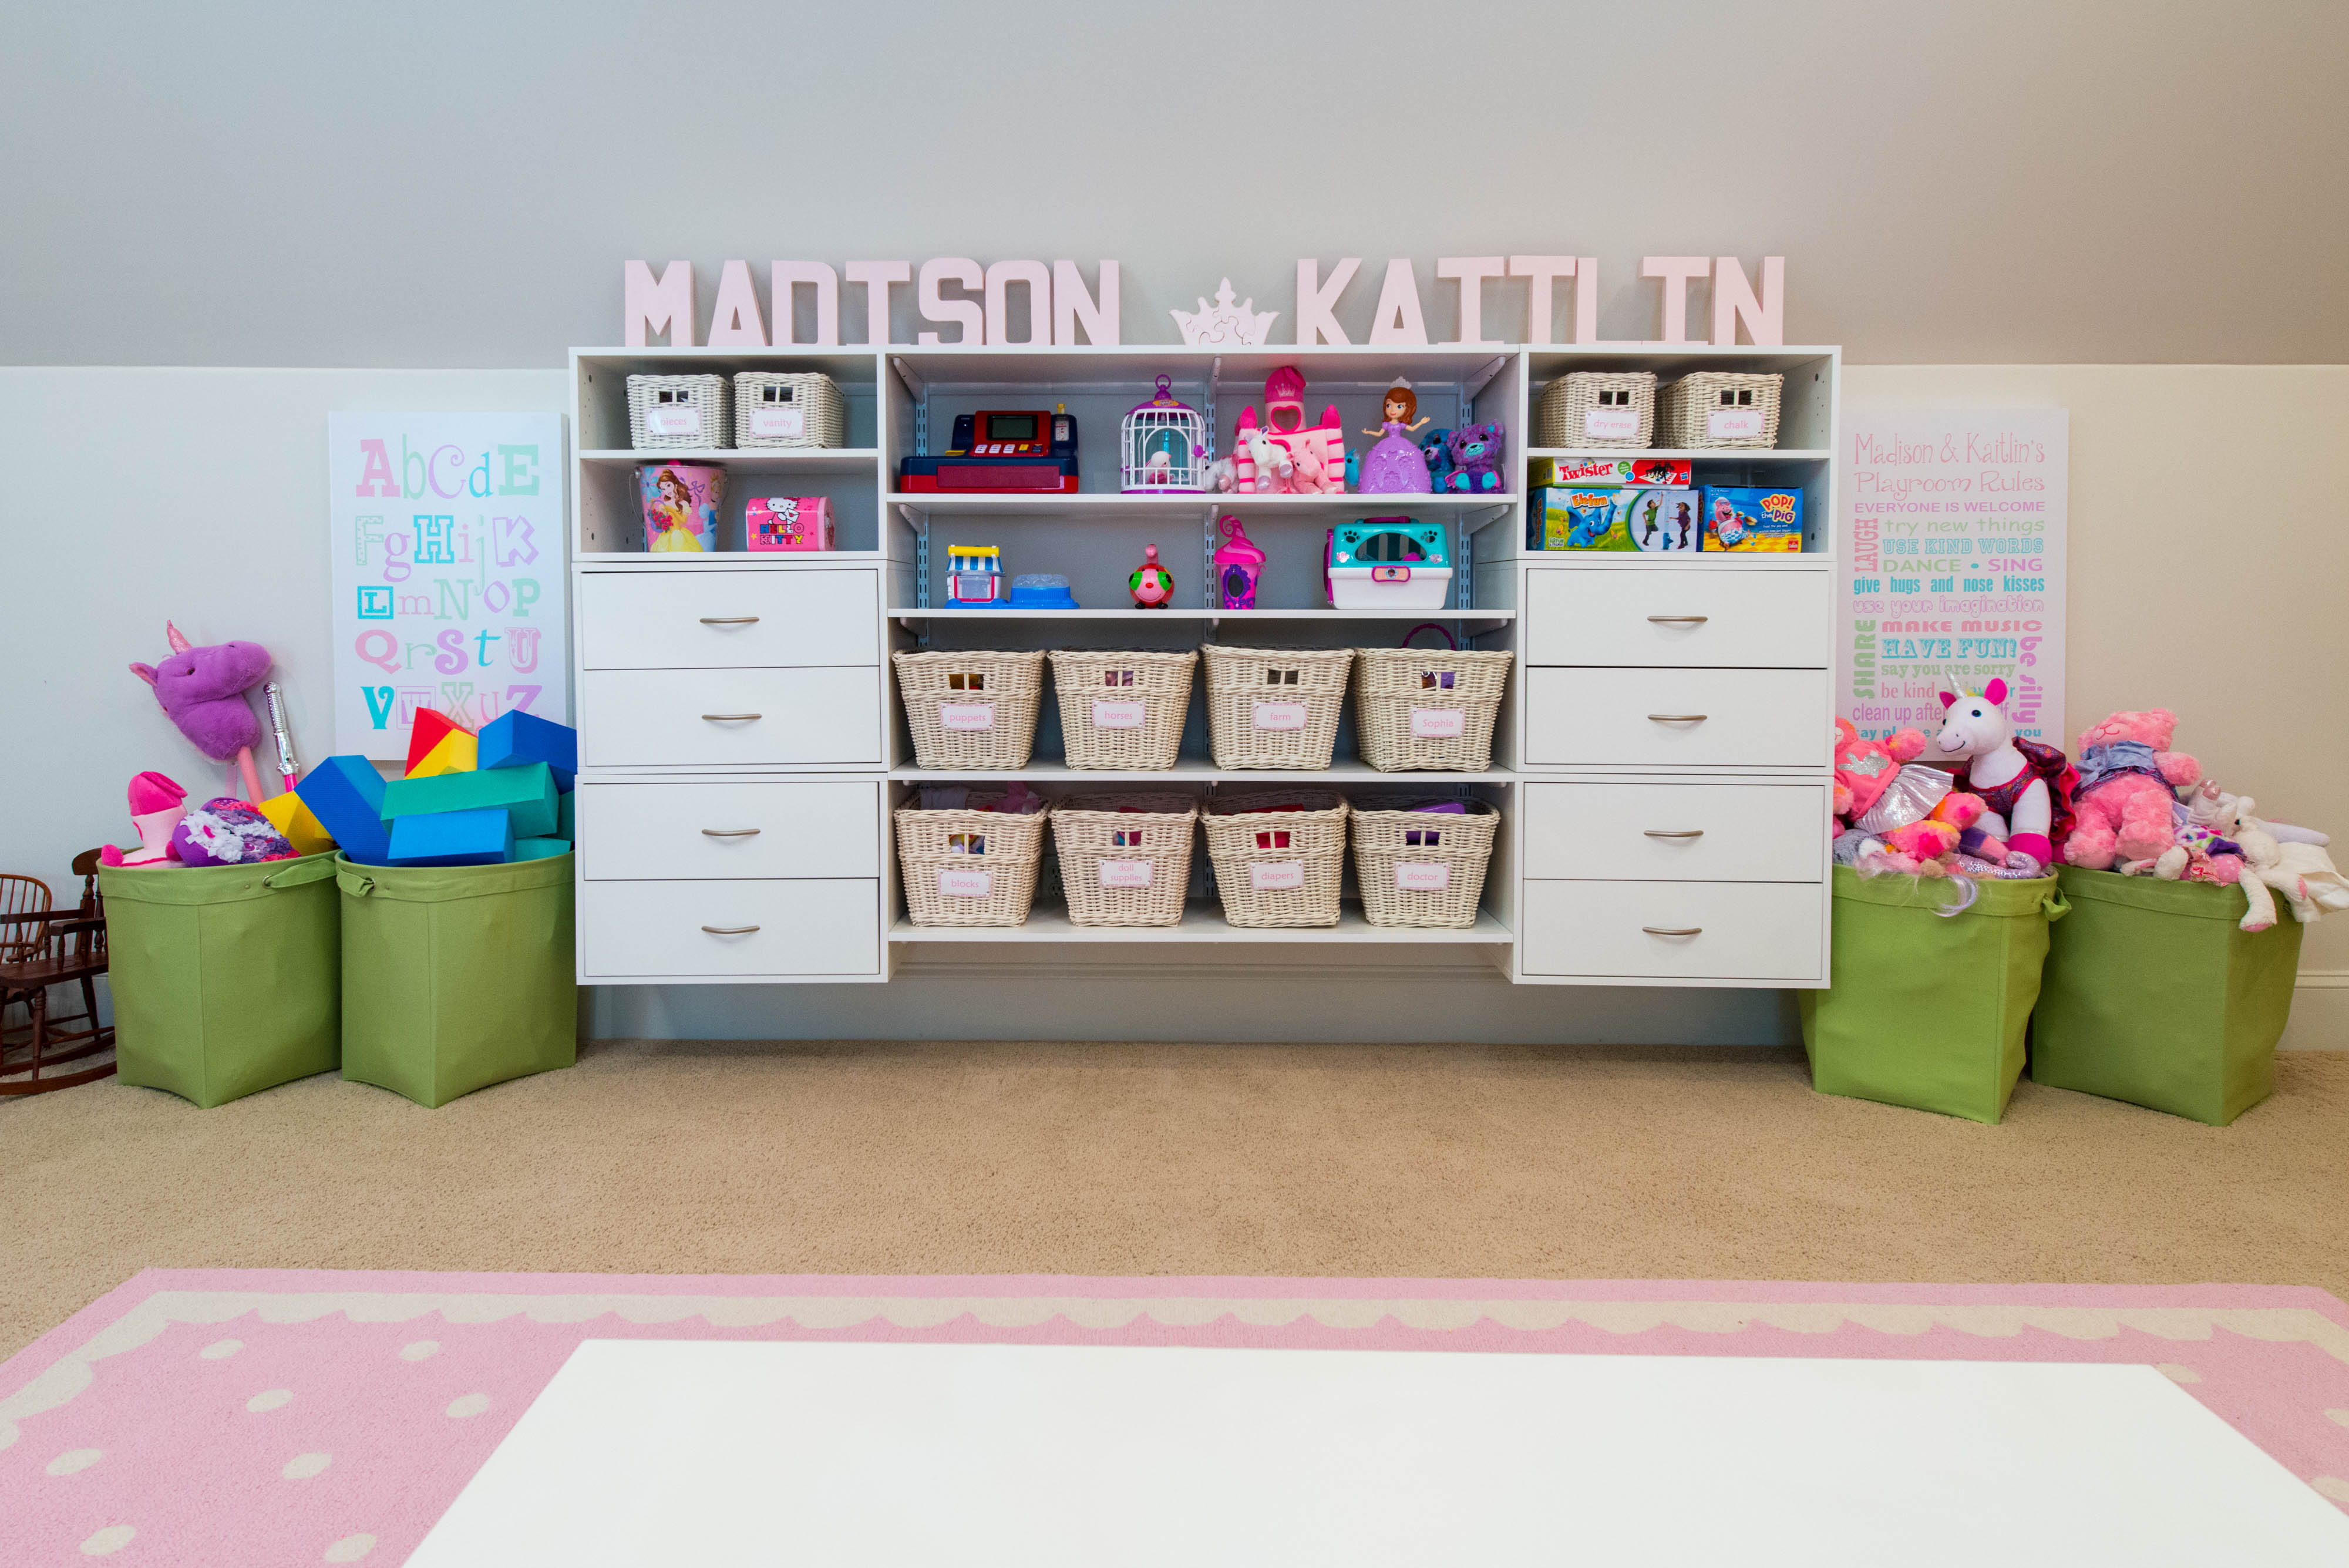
(743, 746)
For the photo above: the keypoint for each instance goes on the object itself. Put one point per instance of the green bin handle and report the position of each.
(2056, 904)
(309, 868)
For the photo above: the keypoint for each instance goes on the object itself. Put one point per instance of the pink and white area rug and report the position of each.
(259, 1418)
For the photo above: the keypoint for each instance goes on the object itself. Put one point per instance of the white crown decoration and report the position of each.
(1225, 325)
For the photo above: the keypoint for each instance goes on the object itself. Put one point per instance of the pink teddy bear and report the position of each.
(2124, 808)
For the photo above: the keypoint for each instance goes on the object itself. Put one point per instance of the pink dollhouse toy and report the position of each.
(1316, 453)
(1239, 567)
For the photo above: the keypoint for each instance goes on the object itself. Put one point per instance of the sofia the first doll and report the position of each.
(1396, 466)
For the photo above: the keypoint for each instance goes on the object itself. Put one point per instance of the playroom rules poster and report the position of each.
(1953, 572)
(447, 543)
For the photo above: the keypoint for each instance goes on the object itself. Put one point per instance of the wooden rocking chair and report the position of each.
(40, 948)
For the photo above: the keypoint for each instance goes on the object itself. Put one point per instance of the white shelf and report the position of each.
(724, 560)
(1200, 770)
(1202, 922)
(1143, 618)
(855, 460)
(1697, 454)
(1115, 504)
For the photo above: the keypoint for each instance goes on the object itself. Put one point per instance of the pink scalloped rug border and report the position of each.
(268, 1417)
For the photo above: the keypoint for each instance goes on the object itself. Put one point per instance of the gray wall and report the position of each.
(445, 184)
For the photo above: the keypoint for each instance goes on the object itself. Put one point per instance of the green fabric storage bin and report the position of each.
(1926, 1011)
(227, 980)
(457, 977)
(2154, 996)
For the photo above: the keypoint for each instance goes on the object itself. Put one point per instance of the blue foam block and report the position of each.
(346, 794)
(452, 839)
(515, 740)
(541, 848)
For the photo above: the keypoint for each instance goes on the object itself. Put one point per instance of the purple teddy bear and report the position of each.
(202, 691)
(1475, 459)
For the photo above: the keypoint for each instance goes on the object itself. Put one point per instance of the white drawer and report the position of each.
(1749, 718)
(654, 718)
(1761, 931)
(649, 929)
(655, 832)
(1759, 619)
(729, 621)
(1743, 832)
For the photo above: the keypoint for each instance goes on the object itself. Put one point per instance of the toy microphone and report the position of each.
(273, 696)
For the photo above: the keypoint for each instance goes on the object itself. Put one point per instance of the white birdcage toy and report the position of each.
(1165, 443)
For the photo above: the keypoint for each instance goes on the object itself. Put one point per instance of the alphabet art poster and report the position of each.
(448, 572)
(1954, 569)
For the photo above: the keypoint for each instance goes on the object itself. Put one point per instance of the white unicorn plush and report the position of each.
(2024, 783)
(1271, 461)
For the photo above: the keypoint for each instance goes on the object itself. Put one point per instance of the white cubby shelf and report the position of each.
(1593, 880)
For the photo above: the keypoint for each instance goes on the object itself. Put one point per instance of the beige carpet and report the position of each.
(1202, 1160)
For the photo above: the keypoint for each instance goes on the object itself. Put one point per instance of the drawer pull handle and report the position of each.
(730, 930)
(1678, 619)
(729, 832)
(729, 718)
(1682, 833)
(1678, 717)
(729, 620)
(1651, 930)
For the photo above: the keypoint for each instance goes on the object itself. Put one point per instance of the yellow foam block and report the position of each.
(289, 817)
(457, 752)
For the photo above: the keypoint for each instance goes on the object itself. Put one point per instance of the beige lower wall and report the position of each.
(2208, 572)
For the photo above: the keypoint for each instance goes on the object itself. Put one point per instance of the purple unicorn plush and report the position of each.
(203, 691)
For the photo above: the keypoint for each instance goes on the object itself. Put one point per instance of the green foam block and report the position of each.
(528, 793)
(541, 848)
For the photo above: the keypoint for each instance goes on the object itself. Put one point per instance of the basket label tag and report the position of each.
(779, 423)
(1280, 715)
(966, 884)
(966, 715)
(1611, 424)
(1117, 715)
(1423, 875)
(1125, 873)
(1275, 875)
(673, 420)
(1732, 424)
(1438, 723)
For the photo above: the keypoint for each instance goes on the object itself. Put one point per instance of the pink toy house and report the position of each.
(1284, 424)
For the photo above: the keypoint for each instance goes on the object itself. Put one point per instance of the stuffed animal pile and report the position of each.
(1897, 815)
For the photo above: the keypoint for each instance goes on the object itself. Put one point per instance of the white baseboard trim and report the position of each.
(2320, 1012)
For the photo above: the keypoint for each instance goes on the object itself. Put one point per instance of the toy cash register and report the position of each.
(995, 449)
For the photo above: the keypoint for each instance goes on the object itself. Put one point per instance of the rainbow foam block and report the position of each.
(454, 838)
(301, 827)
(541, 848)
(427, 730)
(514, 738)
(527, 792)
(346, 794)
(454, 753)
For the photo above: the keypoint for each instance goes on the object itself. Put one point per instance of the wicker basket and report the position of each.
(1122, 709)
(1428, 708)
(969, 867)
(1744, 407)
(1564, 416)
(1274, 707)
(1278, 867)
(971, 709)
(1125, 859)
(658, 406)
(788, 408)
(1420, 868)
